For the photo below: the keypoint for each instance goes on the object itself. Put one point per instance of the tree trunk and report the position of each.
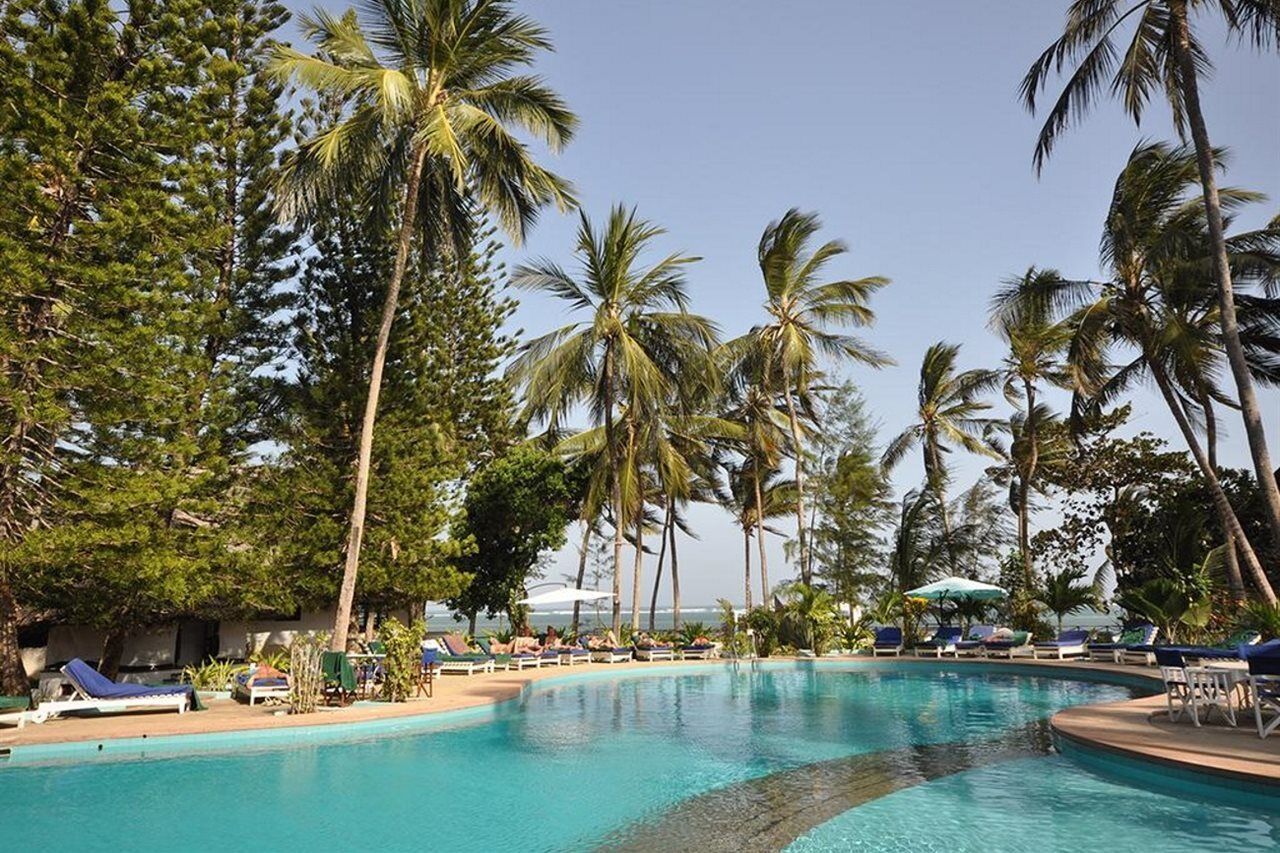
(764, 562)
(471, 623)
(582, 573)
(662, 554)
(346, 595)
(936, 480)
(1024, 489)
(802, 540)
(1249, 408)
(1235, 582)
(746, 562)
(1215, 487)
(615, 463)
(637, 570)
(112, 652)
(675, 582)
(13, 677)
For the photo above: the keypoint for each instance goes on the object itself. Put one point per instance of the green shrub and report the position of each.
(403, 660)
(690, 631)
(212, 674)
(763, 622)
(305, 677)
(275, 657)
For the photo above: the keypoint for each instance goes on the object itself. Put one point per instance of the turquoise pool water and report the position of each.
(815, 755)
(1044, 804)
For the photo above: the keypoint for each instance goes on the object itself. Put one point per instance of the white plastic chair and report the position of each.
(1212, 690)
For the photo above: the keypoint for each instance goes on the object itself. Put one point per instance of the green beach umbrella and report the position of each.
(955, 589)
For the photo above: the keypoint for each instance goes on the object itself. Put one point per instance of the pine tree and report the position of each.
(149, 272)
(443, 410)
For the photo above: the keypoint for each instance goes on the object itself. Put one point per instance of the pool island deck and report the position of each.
(1137, 729)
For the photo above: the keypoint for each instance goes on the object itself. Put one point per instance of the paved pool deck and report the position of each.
(1137, 729)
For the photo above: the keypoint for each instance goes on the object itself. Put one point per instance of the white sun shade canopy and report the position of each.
(565, 595)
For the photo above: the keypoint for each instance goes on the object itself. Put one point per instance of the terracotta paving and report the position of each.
(1138, 728)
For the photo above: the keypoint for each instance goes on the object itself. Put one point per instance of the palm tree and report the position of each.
(1063, 593)
(623, 360)
(426, 140)
(1038, 443)
(803, 314)
(949, 413)
(754, 497)
(1165, 55)
(1036, 342)
(1153, 238)
(764, 423)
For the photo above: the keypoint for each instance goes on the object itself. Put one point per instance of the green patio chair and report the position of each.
(339, 678)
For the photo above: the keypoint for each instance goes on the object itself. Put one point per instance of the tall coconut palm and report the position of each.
(1163, 55)
(1038, 443)
(804, 316)
(624, 359)
(1036, 341)
(1153, 239)
(427, 136)
(764, 424)
(755, 497)
(685, 466)
(949, 414)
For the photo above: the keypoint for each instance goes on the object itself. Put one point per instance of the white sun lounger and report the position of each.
(257, 692)
(611, 655)
(21, 718)
(665, 653)
(58, 707)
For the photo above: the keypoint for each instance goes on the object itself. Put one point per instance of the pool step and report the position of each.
(770, 812)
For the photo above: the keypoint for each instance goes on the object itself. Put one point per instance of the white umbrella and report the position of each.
(956, 587)
(565, 595)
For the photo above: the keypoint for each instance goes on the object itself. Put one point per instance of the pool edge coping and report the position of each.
(319, 732)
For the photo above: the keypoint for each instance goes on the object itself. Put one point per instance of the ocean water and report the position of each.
(754, 757)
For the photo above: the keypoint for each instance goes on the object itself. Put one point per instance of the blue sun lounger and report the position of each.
(888, 641)
(971, 646)
(95, 692)
(1068, 644)
(943, 642)
(1139, 636)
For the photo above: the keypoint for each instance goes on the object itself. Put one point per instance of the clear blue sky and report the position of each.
(899, 123)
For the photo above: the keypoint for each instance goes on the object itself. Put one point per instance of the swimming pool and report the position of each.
(881, 756)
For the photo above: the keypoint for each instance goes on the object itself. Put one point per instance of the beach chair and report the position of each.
(1068, 644)
(94, 692)
(428, 666)
(1173, 672)
(1212, 690)
(574, 654)
(654, 652)
(888, 641)
(971, 645)
(1112, 651)
(943, 642)
(16, 711)
(1264, 690)
(1238, 646)
(1011, 645)
(338, 678)
(456, 657)
(255, 687)
(611, 654)
(698, 651)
